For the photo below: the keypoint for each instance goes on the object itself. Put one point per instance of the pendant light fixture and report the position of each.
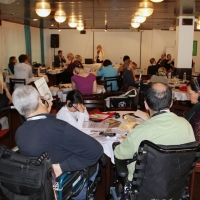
(60, 16)
(134, 24)
(43, 9)
(72, 22)
(156, 1)
(139, 18)
(7, 1)
(80, 25)
(146, 8)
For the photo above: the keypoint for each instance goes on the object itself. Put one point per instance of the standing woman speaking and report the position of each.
(100, 54)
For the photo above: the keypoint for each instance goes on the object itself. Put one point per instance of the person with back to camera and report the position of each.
(153, 68)
(121, 67)
(193, 115)
(163, 127)
(128, 76)
(107, 70)
(100, 54)
(74, 111)
(68, 147)
(23, 70)
(11, 64)
(83, 81)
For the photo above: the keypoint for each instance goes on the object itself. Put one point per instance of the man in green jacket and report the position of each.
(163, 127)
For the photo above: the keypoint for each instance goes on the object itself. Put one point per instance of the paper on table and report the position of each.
(43, 89)
(95, 125)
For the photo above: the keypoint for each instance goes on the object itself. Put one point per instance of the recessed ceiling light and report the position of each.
(35, 20)
(52, 25)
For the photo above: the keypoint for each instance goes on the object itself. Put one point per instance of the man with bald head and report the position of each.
(163, 127)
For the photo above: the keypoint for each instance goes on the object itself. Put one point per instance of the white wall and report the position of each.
(115, 43)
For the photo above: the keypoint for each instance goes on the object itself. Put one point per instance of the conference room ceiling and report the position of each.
(94, 13)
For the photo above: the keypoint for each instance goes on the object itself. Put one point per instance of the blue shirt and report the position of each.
(109, 71)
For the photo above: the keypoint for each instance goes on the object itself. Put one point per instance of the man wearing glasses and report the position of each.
(69, 148)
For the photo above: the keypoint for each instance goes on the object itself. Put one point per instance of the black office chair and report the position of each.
(161, 172)
(112, 78)
(14, 81)
(23, 177)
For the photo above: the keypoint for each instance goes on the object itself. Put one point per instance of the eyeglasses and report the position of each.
(44, 101)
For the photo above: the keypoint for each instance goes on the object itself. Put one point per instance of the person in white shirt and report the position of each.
(74, 111)
(23, 70)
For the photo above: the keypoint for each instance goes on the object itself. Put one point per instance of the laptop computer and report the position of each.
(88, 61)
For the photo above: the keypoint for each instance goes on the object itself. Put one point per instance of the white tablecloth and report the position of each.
(107, 142)
(55, 71)
(34, 78)
(62, 92)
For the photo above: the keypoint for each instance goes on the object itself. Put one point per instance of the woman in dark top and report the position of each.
(11, 64)
(169, 63)
(193, 116)
(128, 74)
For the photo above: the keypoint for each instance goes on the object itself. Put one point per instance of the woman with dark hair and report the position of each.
(128, 74)
(193, 116)
(107, 70)
(74, 111)
(170, 63)
(83, 81)
(11, 64)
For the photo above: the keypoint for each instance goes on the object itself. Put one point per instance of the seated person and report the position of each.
(163, 127)
(68, 147)
(121, 67)
(153, 68)
(170, 63)
(83, 81)
(193, 116)
(23, 70)
(68, 73)
(78, 57)
(74, 111)
(107, 70)
(5, 100)
(11, 64)
(59, 59)
(128, 76)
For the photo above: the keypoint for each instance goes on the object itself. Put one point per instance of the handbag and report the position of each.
(25, 178)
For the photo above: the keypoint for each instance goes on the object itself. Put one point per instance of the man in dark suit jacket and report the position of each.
(59, 59)
(162, 62)
(153, 68)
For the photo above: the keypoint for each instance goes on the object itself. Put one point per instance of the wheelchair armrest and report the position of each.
(121, 166)
(115, 144)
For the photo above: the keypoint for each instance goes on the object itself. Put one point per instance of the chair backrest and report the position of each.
(14, 81)
(161, 172)
(113, 78)
(105, 84)
(93, 101)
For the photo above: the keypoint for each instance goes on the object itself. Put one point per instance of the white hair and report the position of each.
(25, 99)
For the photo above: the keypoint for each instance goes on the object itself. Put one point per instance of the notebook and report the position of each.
(88, 61)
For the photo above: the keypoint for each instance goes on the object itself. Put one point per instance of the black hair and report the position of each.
(59, 51)
(126, 58)
(107, 63)
(194, 84)
(158, 100)
(22, 58)
(77, 64)
(11, 59)
(75, 97)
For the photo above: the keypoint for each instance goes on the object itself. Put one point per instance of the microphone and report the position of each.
(140, 71)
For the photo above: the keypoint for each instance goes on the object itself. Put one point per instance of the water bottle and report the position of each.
(184, 76)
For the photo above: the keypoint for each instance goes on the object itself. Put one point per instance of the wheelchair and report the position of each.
(161, 172)
(32, 178)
